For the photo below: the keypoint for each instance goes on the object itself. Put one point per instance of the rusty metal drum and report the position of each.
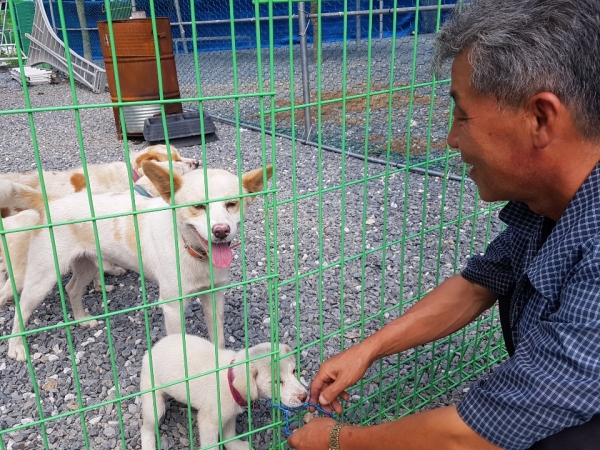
(137, 67)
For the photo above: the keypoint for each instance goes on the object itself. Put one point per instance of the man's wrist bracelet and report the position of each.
(334, 437)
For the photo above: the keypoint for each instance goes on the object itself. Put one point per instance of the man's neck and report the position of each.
(558, 188)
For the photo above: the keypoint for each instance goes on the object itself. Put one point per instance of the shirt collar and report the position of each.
(518, 216)
(564, 248)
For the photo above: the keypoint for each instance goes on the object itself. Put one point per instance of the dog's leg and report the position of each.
(172, 314)
(148, 422)
(210, 318)
(84, 271)
(98, 285)
(229, 432)
(110, 269)
(208, 429)
(6, 293)
(36, 288)
(113, 269)
(19, 243)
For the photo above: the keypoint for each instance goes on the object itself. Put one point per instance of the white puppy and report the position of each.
(76, 244)
(168, 367)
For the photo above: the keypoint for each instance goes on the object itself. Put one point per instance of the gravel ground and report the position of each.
(309, 300)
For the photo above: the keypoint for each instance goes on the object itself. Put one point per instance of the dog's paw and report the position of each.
(16, 350)
(108, 287)
(118, 271)
(93, 323)
(238, 444)
(114, 270)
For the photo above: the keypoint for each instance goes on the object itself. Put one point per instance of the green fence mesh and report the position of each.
(24, 10)
(360, 220)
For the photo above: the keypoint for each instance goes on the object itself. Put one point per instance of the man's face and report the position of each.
(493, 141)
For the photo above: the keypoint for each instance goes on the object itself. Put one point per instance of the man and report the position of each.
(526, 86)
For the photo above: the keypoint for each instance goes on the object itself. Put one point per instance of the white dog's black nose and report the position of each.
(221, 230)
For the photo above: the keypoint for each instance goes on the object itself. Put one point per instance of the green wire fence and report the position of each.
(341, 241)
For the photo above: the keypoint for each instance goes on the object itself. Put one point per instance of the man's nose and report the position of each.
(452, 138)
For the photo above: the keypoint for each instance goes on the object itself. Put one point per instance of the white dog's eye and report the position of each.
(200, 207)
(231, 204)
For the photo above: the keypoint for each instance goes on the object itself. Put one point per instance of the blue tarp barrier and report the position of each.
(217, 36)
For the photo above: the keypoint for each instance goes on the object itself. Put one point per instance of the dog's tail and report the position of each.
(20, 197)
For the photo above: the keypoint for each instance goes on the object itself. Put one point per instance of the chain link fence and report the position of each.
(390, 109)
(342, 245)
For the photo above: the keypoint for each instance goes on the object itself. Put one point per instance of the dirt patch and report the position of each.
(333, 108)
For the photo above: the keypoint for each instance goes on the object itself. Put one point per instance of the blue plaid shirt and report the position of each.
(553, 379)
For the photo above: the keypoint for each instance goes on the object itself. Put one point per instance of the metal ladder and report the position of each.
(47, 47)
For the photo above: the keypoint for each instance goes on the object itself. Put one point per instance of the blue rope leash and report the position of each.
(288, 410)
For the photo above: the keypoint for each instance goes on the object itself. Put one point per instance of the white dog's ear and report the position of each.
(159, 177)
(259, 349)
(285, 349)
(253, 181)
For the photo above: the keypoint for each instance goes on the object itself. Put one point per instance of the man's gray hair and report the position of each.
(519, 48)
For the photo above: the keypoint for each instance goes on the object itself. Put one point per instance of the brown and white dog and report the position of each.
(109, 177)
(206, 228)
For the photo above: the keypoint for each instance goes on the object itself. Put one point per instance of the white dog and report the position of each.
(195, 232)
(168, 367)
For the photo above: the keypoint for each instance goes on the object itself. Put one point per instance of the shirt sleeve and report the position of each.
(552, 381)
(493, 270)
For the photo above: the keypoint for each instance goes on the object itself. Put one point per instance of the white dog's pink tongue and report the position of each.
(221, 255)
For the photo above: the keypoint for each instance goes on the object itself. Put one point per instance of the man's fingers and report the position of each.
(330, 394)
(337, 406)
(314, 398)
(320, 381)
(334, 404)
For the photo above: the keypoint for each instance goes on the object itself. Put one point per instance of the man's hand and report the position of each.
(448, 308)
(312, 436)
(336, 375)
(436, 429)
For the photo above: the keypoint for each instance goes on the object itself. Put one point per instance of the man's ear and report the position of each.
(547, 116)
(159, 177)
(253, 181)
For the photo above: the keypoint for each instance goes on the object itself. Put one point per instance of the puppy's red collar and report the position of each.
(234, 392)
